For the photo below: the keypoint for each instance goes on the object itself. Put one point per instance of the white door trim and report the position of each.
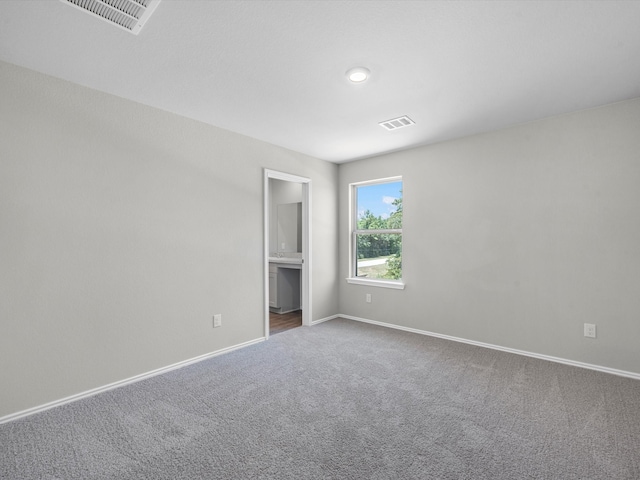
(306, 244)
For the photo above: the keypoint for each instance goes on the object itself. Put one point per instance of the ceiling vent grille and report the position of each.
(397, 123)
(130, 15)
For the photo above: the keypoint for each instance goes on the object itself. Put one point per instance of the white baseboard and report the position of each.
(325, 319)
(159, 371)
(122, 383)
(614, 371)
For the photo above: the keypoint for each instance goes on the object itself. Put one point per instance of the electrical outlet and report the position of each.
(589, 330)
(217, 320)
(368, 298)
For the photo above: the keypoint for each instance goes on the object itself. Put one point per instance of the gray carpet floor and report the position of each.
(342, 400)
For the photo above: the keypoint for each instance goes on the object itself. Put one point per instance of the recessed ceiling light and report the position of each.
(358, 74)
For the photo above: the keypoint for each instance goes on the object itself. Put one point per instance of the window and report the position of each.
(376, 233)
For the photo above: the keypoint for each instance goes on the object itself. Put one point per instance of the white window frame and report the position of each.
(353, 232)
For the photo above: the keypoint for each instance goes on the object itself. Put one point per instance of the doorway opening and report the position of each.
(287, 251)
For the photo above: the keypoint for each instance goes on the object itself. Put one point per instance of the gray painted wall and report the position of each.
(518, 237)
(123, 229)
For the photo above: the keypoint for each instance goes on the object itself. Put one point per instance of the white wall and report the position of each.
(123, 229)
(518, 237)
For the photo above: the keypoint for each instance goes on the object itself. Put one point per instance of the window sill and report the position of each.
(396, 284)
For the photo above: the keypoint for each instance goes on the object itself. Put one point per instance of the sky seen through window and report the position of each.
(378, 198)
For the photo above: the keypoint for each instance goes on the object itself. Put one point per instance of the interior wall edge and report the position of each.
(325, 319)
(127, 381)
(540, 356)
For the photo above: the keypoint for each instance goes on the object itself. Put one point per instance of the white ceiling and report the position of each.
(275, 70)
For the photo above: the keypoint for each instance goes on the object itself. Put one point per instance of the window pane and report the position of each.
(379, 206)
(379, 256)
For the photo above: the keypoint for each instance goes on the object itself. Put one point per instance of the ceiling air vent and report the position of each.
(396, 123)
(129, 15)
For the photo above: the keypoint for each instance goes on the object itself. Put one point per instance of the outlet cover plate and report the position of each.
(589, 330)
